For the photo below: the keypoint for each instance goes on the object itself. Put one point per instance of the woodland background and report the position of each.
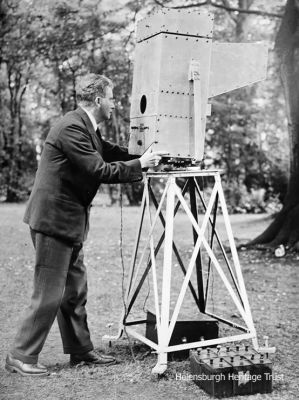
(253, 134)
(46, 45)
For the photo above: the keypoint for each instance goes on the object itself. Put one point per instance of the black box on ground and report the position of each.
(187, 331)
(231, 371)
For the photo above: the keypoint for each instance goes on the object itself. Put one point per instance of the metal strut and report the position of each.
(172, 198)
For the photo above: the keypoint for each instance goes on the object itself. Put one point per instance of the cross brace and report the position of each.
(174, 197)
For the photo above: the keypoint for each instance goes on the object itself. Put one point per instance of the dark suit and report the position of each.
(74, 162)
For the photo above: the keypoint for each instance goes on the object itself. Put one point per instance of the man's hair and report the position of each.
(90, 86)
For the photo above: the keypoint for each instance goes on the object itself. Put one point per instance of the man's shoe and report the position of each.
(14, 365)
(106, 356)
(91, 357)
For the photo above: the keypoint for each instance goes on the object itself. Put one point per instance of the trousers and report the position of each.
(59, 290)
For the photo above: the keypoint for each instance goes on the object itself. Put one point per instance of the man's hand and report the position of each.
(151, 159)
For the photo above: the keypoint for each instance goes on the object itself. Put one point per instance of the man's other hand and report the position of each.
(151, 159)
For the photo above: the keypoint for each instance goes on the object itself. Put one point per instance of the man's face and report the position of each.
(105, 105)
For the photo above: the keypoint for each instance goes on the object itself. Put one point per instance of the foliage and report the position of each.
(46, 45)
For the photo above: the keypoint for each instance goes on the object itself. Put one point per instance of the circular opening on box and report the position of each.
(143, 102)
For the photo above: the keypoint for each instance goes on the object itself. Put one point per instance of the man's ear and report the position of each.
(98, 101)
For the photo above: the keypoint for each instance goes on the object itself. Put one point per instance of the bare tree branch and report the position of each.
(222, 6)
(242, 11)
(204, 3)
(132, 31)
(232, 16)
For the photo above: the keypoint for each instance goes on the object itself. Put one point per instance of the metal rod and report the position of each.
(142, 338)
(196, 136)
(153, 264)
(202, 240)
(167, 264)
(151, 231)
(137, 322)
(200, 232)
(235, 257)
(204, 343)
(221, 246)
(198, 262)
(211, 245)
(225, 281)
(144, 275)
(174, 246)
(227, 322)
(136, 245)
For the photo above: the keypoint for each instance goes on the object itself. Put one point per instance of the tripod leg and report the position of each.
(163, 341)
(246, 306)
(198, 263)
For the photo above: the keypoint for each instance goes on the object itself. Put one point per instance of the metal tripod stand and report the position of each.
(235, 285)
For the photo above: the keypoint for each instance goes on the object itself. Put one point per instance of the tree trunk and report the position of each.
(242, 21)
(285, 227)
(17, 87)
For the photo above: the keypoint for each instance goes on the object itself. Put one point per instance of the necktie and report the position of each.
(98, 133)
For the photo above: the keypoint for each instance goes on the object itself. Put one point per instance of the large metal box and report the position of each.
(162, 102)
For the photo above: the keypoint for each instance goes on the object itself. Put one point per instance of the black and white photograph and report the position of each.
(149, 199)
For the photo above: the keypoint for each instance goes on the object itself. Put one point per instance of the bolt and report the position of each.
(266, 339)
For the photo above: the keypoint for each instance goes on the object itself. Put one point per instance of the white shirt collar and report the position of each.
(91, 117)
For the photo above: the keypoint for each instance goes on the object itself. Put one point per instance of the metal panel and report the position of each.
(234, 65)
(183, 22)
(175, 91)
(173, 136)
(143, 132)
(176, 55)
(147, 64)
(163, 82)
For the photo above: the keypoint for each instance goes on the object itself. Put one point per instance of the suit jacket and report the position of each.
(74, 162)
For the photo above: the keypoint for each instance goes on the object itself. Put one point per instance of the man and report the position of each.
(74, 162)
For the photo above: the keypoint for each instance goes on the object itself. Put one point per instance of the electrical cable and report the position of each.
(148, 289)
(123, 270)
(154, 142)
(147, 277)
(121, 250)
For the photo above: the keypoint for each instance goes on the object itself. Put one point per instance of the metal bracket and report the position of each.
(195, 124)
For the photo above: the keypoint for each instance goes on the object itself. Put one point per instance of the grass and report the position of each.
(271, 285)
